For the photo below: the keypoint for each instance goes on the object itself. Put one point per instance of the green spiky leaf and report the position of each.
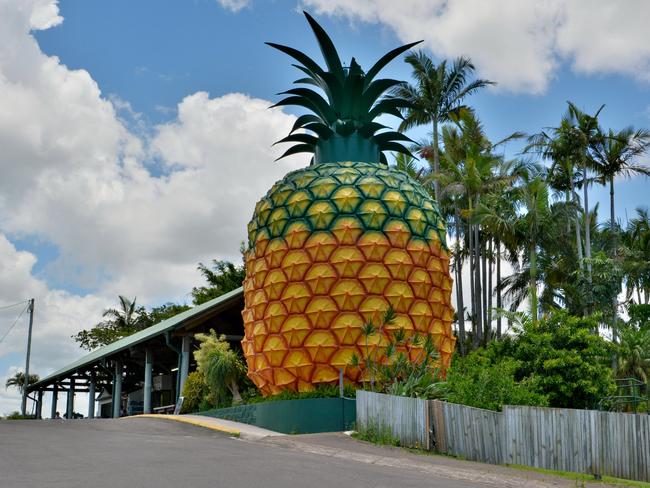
(396, 147)
(387, 58)
(302, 58)
(327, 48)
(323, 131)
(351, 102)
(304, 138)
(392, 136)
(297, 149)
(304, 120)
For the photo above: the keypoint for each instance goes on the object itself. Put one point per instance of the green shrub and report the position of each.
(195, 392)
(571, 362)
(17, 416)
(476, 381)
(222, 368)
(324, 391)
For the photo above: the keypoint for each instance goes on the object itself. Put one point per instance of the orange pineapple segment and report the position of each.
(330, 248)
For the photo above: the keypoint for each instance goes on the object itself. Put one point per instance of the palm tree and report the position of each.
(18, 381)
(220, 366)
(636, 254)
(563, 175)
(615, 154)
(526, 226)
(471, 171)
(634, 354)
(584, 134)
(224, 369)
(437, 96)
(128, 318)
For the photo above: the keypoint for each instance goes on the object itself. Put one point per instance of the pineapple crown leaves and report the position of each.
(352, 98)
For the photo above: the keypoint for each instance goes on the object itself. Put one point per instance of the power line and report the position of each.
(14, 324)
(4, 307)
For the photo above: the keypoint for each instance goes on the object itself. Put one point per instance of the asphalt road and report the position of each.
(143, 453)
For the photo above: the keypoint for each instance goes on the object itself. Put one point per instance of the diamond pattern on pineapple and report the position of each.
(330, 248)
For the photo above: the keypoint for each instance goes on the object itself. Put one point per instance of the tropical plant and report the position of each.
(436, 97)
(119, 322)
(391, 367)
(195, 392)
(636, 257)
(616, 154)
(222, 277)
(332, 246)
(633, 358)
(221, 367)
(18, 381)
(472, 172)
(164, 312)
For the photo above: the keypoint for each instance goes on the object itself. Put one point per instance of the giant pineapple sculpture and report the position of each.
(331, 247)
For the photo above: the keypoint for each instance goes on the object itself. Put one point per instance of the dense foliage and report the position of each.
(221, 367)
(478, 381)
(195, 393)
(222, 277)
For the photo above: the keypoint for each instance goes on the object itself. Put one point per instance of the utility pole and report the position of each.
(23, 406)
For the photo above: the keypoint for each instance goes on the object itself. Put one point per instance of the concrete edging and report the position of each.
(192, 421)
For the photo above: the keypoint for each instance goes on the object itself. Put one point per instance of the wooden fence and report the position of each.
(406, 419)
(583, 441)
(471, 433)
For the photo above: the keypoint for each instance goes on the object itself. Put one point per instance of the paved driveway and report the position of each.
(142, 453)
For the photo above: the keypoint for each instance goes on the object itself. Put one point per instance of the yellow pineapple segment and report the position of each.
(331, 247)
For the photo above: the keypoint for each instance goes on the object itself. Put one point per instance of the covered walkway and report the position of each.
(144, 372)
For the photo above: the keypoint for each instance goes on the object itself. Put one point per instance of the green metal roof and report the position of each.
(160, 328)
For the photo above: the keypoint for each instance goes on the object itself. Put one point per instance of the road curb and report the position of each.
(184, 420)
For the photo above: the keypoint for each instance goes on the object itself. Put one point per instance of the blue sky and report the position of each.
(136, 136)
(152, 54)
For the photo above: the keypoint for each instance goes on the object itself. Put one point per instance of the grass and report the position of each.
(383, 436)
(583, 478)
(377, 435)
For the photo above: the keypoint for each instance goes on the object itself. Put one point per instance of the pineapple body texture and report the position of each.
(330, 248)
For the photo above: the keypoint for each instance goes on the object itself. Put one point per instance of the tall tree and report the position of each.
(117, 323)
(18, 381)
(471, 171)
(437, 95)
(563, 175)
(526, 226)
(584, 133)
(222, 277)
(616, 154)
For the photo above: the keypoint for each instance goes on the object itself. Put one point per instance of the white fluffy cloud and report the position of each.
(234, 5)
(518, 44)
(74, 176)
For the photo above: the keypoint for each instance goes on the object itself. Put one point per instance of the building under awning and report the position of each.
(144, 371)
